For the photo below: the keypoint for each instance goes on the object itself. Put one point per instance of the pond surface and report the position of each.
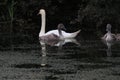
(76, 59)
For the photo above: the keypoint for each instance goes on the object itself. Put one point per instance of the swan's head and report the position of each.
(108, 27)
(42, 11)
(61, 26)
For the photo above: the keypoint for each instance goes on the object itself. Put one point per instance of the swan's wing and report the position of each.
(52, 32)
(65, 34)
(56, 33)
(70, 35)
(104, 37)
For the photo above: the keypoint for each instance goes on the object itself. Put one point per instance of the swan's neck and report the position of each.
(60, 34)
(109, 32)
(42, 30)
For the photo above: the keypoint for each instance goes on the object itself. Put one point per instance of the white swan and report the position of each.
(42, 30)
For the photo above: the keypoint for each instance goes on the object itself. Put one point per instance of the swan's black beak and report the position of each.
(38, 13)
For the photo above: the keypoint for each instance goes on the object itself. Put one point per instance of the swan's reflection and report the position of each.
(109, 45)
(63, 42)
(43, 51)
(109, 53)
(43, 60)
(58, 44)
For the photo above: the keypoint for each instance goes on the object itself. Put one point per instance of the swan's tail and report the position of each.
(74, 34)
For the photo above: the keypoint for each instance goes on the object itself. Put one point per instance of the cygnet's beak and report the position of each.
(64, 28)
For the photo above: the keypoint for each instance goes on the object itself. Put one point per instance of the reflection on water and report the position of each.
(109, 53)
(109, 45)
(44, 53)
(43, 60)
(43, 48)
(58, 44)
(70, 59)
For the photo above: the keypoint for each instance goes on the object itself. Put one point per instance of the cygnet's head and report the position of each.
(41, 11)
(108, 27)
(61, 26)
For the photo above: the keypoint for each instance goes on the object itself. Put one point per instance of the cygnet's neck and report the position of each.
(60, 33)
(109, 31)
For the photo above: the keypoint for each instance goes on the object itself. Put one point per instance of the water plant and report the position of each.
(10, 8)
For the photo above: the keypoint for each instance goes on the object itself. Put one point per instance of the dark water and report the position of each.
(84, 58)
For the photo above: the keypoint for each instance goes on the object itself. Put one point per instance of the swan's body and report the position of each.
(53, 37)
(49, 37)
(109, 37)
(42, 31)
